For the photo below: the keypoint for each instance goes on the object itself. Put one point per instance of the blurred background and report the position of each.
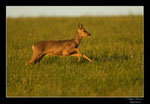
(36, 11)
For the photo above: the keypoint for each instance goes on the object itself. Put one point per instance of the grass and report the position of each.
(115, 47)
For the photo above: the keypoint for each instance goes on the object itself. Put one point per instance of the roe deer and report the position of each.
(61, 47)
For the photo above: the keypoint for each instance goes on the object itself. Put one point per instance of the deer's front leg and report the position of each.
(78, 54)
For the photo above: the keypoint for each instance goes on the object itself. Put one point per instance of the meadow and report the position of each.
(115, 47)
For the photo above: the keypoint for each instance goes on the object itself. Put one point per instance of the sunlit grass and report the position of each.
(115, 47)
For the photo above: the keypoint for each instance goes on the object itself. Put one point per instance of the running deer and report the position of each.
(60, 48)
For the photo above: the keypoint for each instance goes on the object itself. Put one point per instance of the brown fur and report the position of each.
(62, 47)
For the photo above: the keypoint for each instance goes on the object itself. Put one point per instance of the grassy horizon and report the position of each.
(115, 47)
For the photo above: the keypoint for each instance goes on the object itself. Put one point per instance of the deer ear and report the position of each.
(80, 25)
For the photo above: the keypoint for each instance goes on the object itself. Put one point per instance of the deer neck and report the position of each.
(77, 39)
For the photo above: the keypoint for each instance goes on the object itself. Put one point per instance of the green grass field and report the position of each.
(115, 47)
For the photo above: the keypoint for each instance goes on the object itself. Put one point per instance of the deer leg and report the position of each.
(35, 58)
(86, 58)
(82, 55)
(38, 59)
(77, 55)
(31, 60)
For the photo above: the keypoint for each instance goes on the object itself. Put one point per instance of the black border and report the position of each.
(75, 2)
(77, 100)
(3, 52)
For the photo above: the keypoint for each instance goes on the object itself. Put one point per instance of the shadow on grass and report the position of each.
(74, 60)
(114, 57)
(64, 59)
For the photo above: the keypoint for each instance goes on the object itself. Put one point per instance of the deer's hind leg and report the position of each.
(33, 58)
(36, 57)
